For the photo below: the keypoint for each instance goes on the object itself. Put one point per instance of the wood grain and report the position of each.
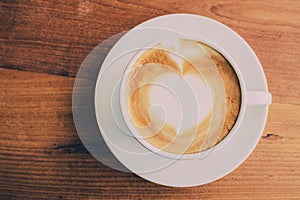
(42, 44)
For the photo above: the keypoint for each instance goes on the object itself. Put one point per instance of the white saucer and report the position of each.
(227, 155)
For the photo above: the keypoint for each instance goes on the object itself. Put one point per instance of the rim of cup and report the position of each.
(201, 154)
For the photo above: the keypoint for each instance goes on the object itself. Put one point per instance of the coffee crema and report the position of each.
(199, 65)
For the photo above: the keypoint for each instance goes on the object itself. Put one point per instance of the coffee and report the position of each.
(182, 97)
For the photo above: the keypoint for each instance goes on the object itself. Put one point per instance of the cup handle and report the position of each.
(258, 98)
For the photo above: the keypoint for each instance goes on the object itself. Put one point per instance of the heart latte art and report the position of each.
(182, 97)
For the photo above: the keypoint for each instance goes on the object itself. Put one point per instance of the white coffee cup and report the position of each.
(248, 98)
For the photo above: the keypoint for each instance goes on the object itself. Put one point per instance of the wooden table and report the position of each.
(42, 44)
